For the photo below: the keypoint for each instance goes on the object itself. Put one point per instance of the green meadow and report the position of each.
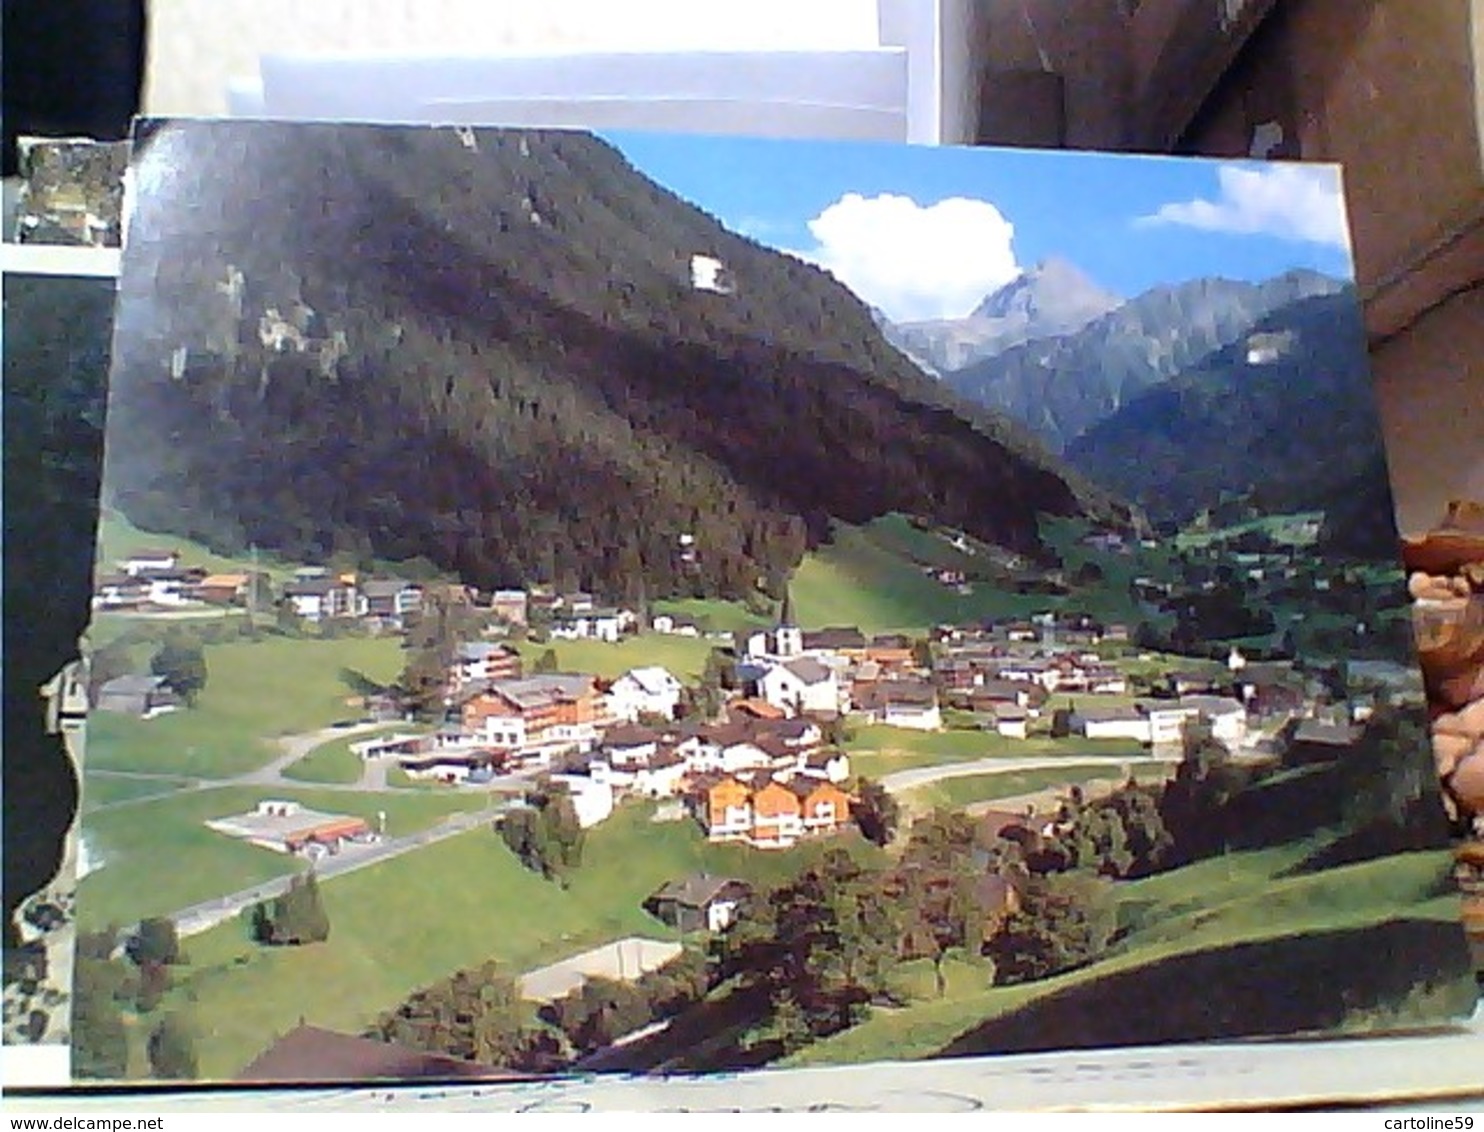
(956, 793)
(159, 857)
(878, 750)
(1191, 912)
(255, 691)
(684, 657)
(406, 922)
(108, 789)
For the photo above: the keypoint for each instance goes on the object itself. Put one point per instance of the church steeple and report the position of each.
(787, 639)
(786, 618)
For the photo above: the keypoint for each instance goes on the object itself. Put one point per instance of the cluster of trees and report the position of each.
(476, 1015)
(1221, 613)
(430, 644)
(818, 949)
(601, 1011)
(297, 917)
(876, 811)
(704, 698)
(479, 1015)
(1026, 904)
(105, 987)
(1065, 920)
(182, 662)
(530, 399)
(180, 658)
(1123, 835)
(545, 834)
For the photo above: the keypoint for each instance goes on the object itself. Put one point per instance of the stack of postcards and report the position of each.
(855, 69)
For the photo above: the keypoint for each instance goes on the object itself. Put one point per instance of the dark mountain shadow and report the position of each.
(1287, 986)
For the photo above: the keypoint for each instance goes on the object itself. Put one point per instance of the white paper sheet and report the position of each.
(698, 115)
(397, 89)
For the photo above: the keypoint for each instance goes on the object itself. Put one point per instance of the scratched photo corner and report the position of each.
(616, 602)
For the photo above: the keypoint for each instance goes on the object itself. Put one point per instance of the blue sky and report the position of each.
(925, 232)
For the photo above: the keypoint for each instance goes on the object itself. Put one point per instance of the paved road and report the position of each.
(923, 775)
(293, 747)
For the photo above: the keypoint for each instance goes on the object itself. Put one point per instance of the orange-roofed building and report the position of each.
(823, 806)
(768, 814)
(726, 810)
(757, 709)
(776, 816)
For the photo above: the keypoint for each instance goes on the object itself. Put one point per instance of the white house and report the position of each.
(477, 661)
(1167, 722)
(741, 756)
(628, 746)
(1106, 681)
(828, 763)
(149, 562)
(596, 625)
(644, 691)
(1098, 722)
(662, 778)
(316, 599)
(800, 685)
(1227, 717)
(167, 590)
(670, 624)
(912, 704)
(1010, 721)
(592, 800)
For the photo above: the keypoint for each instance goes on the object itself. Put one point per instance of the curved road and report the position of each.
(270, 774)
(923, 775)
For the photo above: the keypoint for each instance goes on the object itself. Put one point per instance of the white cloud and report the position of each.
(1293, 202)
(915, 261)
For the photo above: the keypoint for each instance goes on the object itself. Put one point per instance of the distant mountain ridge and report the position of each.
(1052, 298)
(1284, 418)
(1060, 387)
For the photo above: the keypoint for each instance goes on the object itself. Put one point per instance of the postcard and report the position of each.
(627, 603)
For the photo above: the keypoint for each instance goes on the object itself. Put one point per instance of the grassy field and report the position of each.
(161, 858)
(396, 776)
(862, 578)
(959, 792)
(334, 763)
(713, 614)
(117, 537)
(105, 789)
(1212, 904)
(684, 657)
(255, 691)
(878, 750)
(1288, 530)
(393, 932)
(899, 534)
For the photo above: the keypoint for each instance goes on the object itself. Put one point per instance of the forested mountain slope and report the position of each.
(486, 348)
